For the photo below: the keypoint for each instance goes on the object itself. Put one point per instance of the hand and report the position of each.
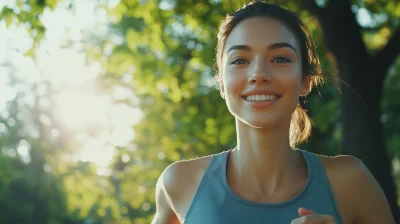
(310, 217)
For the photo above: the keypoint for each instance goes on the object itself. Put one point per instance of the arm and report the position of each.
(369, 200)
(164, 211)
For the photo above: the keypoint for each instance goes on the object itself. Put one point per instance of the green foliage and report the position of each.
(391, 107)
(28, 13)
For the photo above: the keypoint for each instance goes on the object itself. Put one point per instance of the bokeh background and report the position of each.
(98, 97)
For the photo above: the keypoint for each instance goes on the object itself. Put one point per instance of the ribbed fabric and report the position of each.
(215, 203)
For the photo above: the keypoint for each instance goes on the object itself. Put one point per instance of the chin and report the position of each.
(259, 123)
(262, 118)
(264, 121)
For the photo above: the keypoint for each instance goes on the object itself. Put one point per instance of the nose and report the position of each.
(260, 75)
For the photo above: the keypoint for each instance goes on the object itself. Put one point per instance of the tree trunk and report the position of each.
(361, 92)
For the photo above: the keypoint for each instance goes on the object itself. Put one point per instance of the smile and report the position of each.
(261, 97)
(261, 101)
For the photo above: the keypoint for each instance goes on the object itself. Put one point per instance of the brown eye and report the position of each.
(281, 60)
(239, 61)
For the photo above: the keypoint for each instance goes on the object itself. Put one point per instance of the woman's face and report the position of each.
(261, 72)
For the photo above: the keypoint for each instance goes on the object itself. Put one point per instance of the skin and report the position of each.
(263, 149)
(272, 170)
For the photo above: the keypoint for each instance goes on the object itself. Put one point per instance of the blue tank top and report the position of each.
(215, 203)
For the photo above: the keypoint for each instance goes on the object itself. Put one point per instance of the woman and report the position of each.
(266, 60)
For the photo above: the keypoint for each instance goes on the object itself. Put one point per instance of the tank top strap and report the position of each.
(322, 186)
(209, 176)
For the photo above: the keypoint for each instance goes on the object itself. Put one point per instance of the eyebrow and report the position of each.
(270, 47)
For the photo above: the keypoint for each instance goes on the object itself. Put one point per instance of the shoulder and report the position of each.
(179, 182)
(355, 188)
(343, 166)
(176, 176)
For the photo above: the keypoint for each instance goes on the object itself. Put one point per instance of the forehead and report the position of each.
(260, 32)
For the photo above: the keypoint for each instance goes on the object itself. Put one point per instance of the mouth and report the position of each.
(261, 98)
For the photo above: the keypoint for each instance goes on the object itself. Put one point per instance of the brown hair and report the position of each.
(300, 125)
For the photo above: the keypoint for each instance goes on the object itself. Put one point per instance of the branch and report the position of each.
(385, 57)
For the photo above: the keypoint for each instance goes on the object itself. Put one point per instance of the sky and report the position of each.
(79, 104)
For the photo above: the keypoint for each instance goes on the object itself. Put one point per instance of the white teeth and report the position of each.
(261, 97)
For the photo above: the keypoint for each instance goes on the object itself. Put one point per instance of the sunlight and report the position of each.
(97, 151)
(79, 106)
(78, 110)
(81, 111)
(364, 18)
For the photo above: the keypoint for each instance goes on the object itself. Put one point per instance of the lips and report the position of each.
(261, 98)
(262, 104)
(261, 92)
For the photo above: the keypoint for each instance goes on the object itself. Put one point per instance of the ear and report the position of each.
(306, 86)
(222, 89)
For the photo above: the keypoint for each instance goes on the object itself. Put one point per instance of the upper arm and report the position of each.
(164, 209)
(369, 200)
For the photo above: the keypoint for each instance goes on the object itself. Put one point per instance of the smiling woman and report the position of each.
(266, 61)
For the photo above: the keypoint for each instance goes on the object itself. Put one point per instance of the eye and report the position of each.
(239, 61)
(281, 60)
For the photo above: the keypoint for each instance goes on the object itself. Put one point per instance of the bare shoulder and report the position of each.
(177, 175)
(179, 182)
(337, 165)
(346, 174)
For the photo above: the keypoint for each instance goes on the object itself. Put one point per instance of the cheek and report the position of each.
(289, 80)
(233, 82)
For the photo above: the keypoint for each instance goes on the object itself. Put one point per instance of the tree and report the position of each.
(364, 71)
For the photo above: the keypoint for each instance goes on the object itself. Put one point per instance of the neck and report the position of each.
(264, 159)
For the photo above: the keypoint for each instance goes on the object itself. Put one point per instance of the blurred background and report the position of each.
(98, 97)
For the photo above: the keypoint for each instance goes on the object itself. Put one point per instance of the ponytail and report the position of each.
(300, 126)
